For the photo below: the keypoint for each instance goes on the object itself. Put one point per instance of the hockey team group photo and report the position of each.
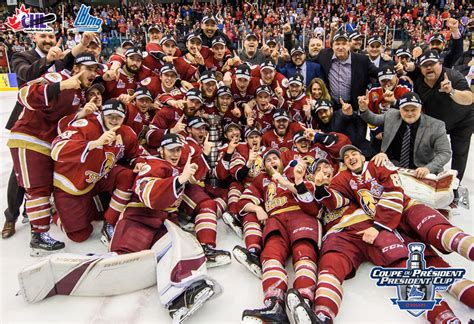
(232, 161)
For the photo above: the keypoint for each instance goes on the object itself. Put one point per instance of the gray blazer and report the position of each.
(432, 149)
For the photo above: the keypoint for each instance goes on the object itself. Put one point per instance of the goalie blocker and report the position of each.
(176, 263)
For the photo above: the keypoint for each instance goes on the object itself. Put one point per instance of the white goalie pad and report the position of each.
(183, 263)
(435, 191)
(80, 275)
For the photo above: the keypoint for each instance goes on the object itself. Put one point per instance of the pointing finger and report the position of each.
(114, 129)
(59, 43)
(446, 76)
(78, 75)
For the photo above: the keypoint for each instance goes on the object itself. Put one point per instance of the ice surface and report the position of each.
(362, 302)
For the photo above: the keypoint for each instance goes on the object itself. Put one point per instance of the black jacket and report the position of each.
(206, 41)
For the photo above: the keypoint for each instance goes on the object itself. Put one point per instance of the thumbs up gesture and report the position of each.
(346, 108)
(446, 85)
(73, 82)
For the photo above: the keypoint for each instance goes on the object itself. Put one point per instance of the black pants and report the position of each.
(460, 143)
(15, 196)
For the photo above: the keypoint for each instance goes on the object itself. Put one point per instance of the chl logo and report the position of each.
(28, 22)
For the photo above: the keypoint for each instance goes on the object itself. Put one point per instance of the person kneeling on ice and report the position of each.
(287, 229)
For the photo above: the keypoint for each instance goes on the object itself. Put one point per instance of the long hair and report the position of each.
(325, 92)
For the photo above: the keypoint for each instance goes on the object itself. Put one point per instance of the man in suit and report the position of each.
(346, 73)
(309, 70)
(375, 49)
(411, 139)
(47, 56)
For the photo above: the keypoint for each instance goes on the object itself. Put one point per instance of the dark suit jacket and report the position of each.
(362, 71)
(313, 70)
(28, 66)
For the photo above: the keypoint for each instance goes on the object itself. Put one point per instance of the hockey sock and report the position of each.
(274, 279)
(334, 267)
(206, 222)
(441, 313)
(252, 232)
(463, 290)
(233, 199)
(304, 263)
(450, 238)
(38, 209)
(118, 202)
(221, 206)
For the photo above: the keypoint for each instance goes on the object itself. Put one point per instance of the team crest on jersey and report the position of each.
(175, 172)
(272, 201)
(130, 92)
(256, 167)
(144, 169)
(375, 96)
(67, 134)
(376, 189)
(120, 84)
(76, 101)
(285, 83)
(80, 123)
(146, 81)
(353, 184)
(53, 77)
(367, 201)
(108, 163)
(320, 154)
(265, 182)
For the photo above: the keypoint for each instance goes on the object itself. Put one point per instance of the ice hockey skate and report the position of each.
(273, 312)
(214, 257)
(190, 300)
(300, 308)
(42, 244)
(107, 233)
(250, 260)
(233, 223)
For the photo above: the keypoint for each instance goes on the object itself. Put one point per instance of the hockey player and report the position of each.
(45, 100)
(171, 119)
(140, 113)
(343, 250)
(379, 193)
(241, 84)
(261, 115)
(298, 104)
(281, 136)
(208, 87)
(287, 230)
(85, 164)
(220, 59)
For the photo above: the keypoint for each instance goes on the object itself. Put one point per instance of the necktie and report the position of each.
(405, 151)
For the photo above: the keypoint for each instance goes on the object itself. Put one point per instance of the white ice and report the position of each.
(363, 302)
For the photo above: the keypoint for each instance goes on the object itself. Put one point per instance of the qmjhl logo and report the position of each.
(85, 22)
(416, 285)
(30, 22)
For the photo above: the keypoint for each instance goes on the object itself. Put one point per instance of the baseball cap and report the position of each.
(98, 86)
(268, 64)
(143, 92)
(154, 27)
(224, 91)
(207, 76)
(133, 51)
(113, 106)
(196, 122)
(251, 130)
(271, 40)
(207, 18)
(374, 39)
(346, 148)
(168, 67)
(218, 40)
(87, 59)
(171, 141)
(314, 165)
(228, 124)
(269, 151)
(340, 35)
(409, 99)
(403, 52)
(297, 49)
(428, 56)
(127, 43)
(297, 78)
(194, 93)
(249, 35)
(299, 135)
(281, 114)
(166, 38)
(437, 37)
(243, 71)
(96, 40)
(354, 35)
(264, 88)
(386, 73)
(322, 104)
(193, 35)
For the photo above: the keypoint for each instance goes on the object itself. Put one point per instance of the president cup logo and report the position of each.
(85, 22)
(34, 22)
(416, 285)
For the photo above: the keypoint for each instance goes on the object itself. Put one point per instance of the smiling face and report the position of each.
(316, 91)
(134, 63)
(232, 132)
(326, 170)
(198, 133)
(263, 101)
(431, 70)
(168, 80)
(325, 115)
(389, 84)
(341, 49)
(143, 104)
(90, 72)
(219, 51)
(267, 75)
(45, 41)
(410, 114)
(298, 58)
(154, 35)
(302, 145)
(356, 44)
(374, 50)
(437, 46)
(224, 102)
(209, 88)
(172, 156)
(273, 163)
(169, 47)
(295, 90)
(242, 83)
(250, 45)
(113, 120)
(209, 28)
(194, 45)
(315, 46)
(191, 106)
(94, 49)
(354, 161)
(95, 95)
(281, 126)
(254, 141)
